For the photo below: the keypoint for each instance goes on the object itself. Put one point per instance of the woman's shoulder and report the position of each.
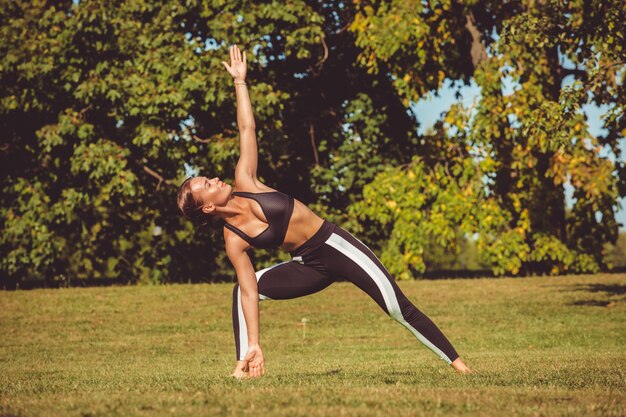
(250, 185)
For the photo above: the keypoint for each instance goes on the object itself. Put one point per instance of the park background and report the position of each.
(516, 169)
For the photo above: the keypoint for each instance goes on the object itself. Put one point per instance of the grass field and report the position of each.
(542, 346)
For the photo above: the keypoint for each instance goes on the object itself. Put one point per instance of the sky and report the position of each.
(428, 110)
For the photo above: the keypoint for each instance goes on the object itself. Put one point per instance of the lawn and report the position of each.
(541, 346)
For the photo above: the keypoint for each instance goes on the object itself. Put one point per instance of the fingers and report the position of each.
(235, 54)
(257, 371)
(254, 363)
(256, 368)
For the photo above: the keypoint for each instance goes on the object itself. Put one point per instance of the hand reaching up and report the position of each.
(237, 67)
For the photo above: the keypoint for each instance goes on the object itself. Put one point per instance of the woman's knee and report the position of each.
(404, 310)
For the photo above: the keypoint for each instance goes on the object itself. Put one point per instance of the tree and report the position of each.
(526, 145)
(96, 99)
(615, 254)
(105, 108)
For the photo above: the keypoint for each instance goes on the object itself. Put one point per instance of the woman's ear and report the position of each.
(208, 208)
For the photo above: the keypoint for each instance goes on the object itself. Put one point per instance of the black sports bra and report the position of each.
(277, 208)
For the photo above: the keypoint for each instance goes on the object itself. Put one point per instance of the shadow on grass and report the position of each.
(388, 377)
(591, 303)
(612, 291)
(615, 289)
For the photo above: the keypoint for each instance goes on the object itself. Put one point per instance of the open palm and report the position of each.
(237, 67)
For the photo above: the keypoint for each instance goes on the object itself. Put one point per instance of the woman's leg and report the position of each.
(349, 258)
(282, 281)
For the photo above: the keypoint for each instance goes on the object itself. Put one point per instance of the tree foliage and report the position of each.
(525, 145)
(105, 108)
(105, 105)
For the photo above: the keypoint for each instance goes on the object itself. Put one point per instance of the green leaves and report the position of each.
(105, 107)
(523, 146)
(428, 208)
(93, 101)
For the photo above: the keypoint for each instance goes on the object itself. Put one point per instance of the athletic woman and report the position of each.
(321, 251)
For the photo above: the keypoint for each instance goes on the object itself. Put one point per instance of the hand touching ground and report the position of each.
(255, 362)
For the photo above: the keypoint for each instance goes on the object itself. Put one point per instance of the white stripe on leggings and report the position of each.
(381, 280)
(243, 328)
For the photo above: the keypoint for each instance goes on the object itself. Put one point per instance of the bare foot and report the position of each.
(239, 374)
(460, 367)
(239, 371)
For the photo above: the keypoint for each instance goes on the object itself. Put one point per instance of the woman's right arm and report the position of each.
(246, 278)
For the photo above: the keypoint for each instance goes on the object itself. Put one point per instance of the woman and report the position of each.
(321, 251)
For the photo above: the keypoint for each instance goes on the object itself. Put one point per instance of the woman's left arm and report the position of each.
(248, 153)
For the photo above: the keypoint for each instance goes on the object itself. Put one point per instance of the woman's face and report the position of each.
(212, 192)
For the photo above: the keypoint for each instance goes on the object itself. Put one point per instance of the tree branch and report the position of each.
(346, 26)
(325, 57)
(156, 175)
(319, 64)
(575, 72)
(478, 50)
(201, 140)
(312, 136)
(603, 68)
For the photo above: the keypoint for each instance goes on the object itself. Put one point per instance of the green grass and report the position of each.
(542, 346)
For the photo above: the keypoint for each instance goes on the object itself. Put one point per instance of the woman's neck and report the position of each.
(234, 208)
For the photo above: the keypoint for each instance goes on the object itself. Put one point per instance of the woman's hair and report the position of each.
(189, 206)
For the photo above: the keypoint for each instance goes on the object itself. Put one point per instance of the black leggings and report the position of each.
(333, 253)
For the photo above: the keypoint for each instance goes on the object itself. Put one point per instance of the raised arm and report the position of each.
(248, 153)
